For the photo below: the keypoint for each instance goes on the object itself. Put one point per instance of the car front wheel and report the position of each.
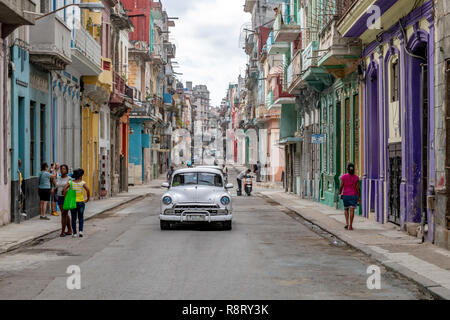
(165, 225)
(227, 225)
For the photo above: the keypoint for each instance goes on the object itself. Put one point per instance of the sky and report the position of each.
(207, 39)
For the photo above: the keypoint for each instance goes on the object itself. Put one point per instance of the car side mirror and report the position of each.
(229, 186)
(165, 185)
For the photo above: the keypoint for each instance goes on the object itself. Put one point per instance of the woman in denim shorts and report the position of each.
(350, 194)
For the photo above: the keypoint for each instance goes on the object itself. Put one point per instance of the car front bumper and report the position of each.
(195, 217)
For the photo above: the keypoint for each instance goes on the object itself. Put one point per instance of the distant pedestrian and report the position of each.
(54, 198)
(258, 171)
(45, 189)
(170, 173)
(78, 214)
(225, 172)
(21, 193)
(350, 194)
(61, 181)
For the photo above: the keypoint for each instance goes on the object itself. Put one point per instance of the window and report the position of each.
(395, 81)
(184, 179)
(200, 178)
(210, 179)
(102, 125)
(32, 137)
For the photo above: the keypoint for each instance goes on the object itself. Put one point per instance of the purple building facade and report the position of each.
(397, 73)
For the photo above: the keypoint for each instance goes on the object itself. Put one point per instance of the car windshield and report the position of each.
(200, 178)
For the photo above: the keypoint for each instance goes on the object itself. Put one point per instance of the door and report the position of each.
(395, 179)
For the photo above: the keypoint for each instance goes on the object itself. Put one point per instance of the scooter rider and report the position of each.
(241, 176)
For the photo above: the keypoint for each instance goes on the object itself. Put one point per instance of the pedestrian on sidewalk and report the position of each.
(350, 194)
(54, 198)
(44, 189)
(170, 173)
(258, 171)
(61, 181)
(78, 214)
(225, 172)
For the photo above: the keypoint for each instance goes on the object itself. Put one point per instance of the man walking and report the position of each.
(170, 173)
(258, 171)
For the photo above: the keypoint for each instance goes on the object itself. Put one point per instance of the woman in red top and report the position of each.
(350, 194)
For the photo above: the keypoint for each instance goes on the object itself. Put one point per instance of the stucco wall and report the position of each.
(442, 53)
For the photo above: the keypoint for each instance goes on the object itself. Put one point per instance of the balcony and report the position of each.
(294, 72)
(86, 53)
(171, 50)
(156, 55)
(13, 15)
(249, 44)
(118, 92)
(280, 96)
(144, 111)
(248, 6)
(260, 112)
(274, 48)
(285, 30)
(341, 55)
(315, 76)
(50, 41)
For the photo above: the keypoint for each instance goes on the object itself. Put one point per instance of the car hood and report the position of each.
(196, 193)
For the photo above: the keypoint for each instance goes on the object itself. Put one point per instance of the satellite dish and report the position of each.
(244, 33)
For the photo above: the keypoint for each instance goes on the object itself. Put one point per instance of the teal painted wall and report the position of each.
(288, 122)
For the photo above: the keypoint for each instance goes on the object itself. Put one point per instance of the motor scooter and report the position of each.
(248, 185)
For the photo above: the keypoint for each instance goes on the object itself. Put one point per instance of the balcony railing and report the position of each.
(274, 48)
(50, 41)
(285, 29)
(294, 73)
(309, 55)
(147, 110)
(260, 112)
(86, 53)
(119, 84)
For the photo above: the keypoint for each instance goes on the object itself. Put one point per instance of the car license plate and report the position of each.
(195, 218)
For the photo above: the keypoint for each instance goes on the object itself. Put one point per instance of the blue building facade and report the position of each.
(139, 151)
(30, 129)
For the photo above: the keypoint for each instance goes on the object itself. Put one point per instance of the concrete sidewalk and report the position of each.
(15, 235)
(425, 264)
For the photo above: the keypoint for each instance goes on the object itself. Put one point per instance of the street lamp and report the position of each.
(92, 6)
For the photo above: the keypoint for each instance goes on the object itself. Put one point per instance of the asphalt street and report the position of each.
(269, 254)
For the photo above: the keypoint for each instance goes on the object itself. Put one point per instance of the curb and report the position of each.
(27, 240)
(434, 289)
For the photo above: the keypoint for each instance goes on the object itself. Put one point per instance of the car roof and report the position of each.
(209, 167)
(197, 169)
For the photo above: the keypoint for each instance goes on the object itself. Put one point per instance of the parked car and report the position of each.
(196, 195)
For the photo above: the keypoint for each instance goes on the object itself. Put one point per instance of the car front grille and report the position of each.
(196, 206)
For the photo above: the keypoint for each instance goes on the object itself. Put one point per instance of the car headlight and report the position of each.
(167, 200)
(225, 200)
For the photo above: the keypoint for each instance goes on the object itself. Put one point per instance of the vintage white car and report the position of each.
(196, 195)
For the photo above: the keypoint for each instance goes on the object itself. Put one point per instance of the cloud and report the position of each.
(207, 40)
